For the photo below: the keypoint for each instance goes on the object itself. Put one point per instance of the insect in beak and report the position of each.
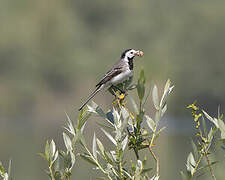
(139, 53)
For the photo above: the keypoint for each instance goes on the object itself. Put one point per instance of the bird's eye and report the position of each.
(131, 52)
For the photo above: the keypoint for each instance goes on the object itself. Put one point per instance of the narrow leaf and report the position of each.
(52, 149)
(9, 167)
(190, 163)
(67, 142)
(70, 125)
(47, 151)
(195, 149)
(214, 120)
(150, 123)
(134, 104)
(222, 128)
(72, 159)
(110, 137)
(88, 159)
(100, 146)
(124, 143)
(94, 147)
(155, 97)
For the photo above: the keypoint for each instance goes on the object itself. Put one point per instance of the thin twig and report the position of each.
(51, 173)
(196, 167)
(210, 167)
(156, 159)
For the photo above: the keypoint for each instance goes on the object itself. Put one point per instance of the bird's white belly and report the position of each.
(121, 77)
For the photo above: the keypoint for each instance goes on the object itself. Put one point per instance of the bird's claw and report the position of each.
(122, 96)
(120, 99)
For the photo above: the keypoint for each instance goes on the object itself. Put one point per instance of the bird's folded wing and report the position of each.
(109, 75)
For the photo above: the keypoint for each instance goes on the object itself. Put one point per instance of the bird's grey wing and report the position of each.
(116, 69)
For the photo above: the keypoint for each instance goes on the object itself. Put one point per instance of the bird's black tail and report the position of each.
(91, 96)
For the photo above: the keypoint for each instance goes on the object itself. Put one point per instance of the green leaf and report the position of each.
(214, 120)
(100, 146)
(83, 120)
(70, 125)
(157, 118)
(2, 170)
(146, 96)
(94, 147)
(110, 137)
(155, 97)
(82, 140)
(150, 123)
(52, 149)
(67, 142)
(141, 85)
(124, 143)
(67, 160)
(9, 167)
(47, 151)
(204, 126)
(166, 92)
(139, 119)
(55, 156)
(163, 110)
(72, 156)
(167, 85)
(83, 117)
(222, 128)
(109, 157)
(88, 158)
(190, 163)
(210, 135)
(195, 149)
(134, 104)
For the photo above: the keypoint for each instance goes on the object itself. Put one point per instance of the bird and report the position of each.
(121, 71)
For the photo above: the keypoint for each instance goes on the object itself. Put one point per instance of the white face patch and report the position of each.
(131, 53)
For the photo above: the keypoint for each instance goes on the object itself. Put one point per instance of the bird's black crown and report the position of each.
(124, 53)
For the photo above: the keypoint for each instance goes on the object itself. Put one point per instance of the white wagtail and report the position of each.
(121, 71)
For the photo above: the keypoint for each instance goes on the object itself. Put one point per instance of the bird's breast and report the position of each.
(121, 77)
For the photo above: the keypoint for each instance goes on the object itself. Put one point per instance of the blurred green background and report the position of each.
(53, 52)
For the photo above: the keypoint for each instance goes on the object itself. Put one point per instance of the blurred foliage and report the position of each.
(53, 52)
(204, 140)
(125, 130)
(47, 47)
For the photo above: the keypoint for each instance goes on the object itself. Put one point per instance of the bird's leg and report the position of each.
(112, 91)
(121, 91)
(115, 94)
(121, 96)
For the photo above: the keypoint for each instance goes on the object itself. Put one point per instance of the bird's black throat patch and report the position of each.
(131, 63)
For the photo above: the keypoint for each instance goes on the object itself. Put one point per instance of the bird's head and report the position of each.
(131, 53)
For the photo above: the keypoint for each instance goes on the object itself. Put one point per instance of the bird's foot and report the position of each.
(122, 96)
(119, 100)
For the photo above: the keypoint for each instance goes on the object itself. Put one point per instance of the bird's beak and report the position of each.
(139, 53)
